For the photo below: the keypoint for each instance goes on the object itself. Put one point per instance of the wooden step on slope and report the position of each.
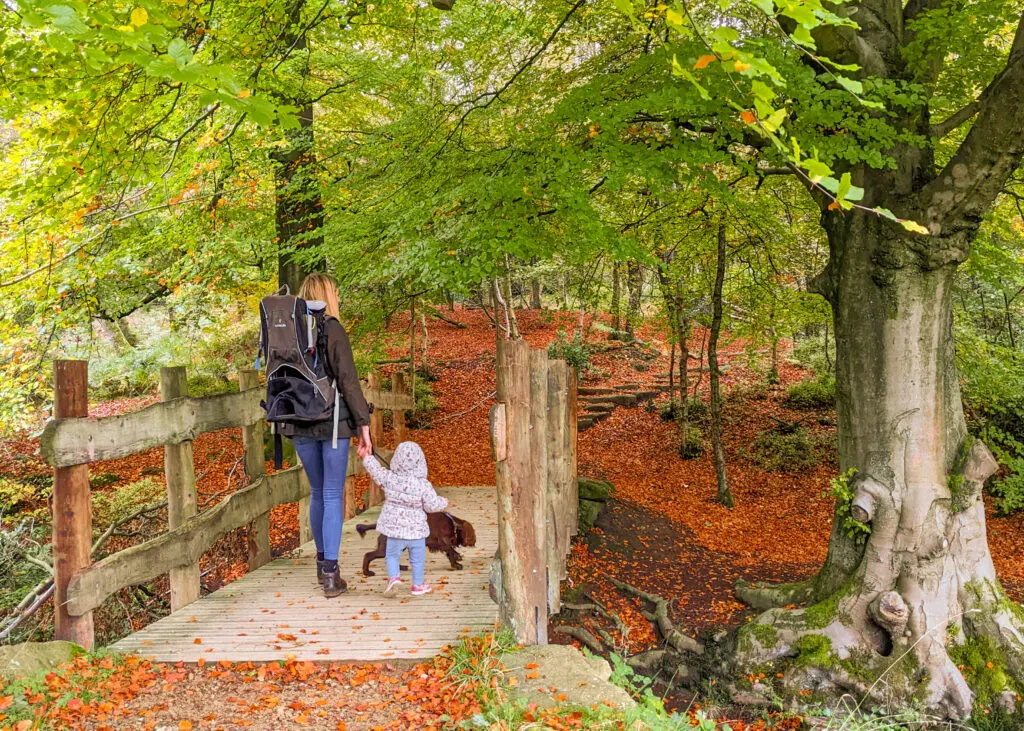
(595, 391)
(618, 399)
(599, 402)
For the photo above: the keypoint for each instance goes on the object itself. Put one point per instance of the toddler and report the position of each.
(408, 497)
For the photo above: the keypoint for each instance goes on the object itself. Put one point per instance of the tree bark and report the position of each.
(536, 289)
(616, 300)
(635, 280)
(724, 494)
(923, 580)
(299, 211)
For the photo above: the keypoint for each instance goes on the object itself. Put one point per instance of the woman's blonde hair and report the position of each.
(321, 287)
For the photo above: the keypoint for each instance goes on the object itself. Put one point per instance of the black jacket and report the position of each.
(343, 367)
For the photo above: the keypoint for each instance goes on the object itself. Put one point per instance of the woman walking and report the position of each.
(324, 459)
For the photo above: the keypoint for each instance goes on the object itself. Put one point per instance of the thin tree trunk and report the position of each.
(1009, 320)
(412, 346)
(616, 301)
(683, 329)
(536, 290)
(773, 370)
(700, 366)
(509, 306)
(724, 494)
(672, 367)
(828, 358)
(426, 342)
(635, 277)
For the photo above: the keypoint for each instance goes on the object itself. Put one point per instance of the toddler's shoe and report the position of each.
(392, 583)
(422, 589)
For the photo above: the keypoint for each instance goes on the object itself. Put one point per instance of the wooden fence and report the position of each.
(72, 440)
(533, 438)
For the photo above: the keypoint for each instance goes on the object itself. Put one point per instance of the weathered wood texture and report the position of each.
(558, 475)
(533, 436)
(72, 507)
(245, 619)
(71, 441)
(399, 387)
(182, 502)
(538, 484)
(374, 496)
(183, 545)
(187, 543)
(572, 405)
(258, 537)
(388, 400)
(78, 441)
(524, 585)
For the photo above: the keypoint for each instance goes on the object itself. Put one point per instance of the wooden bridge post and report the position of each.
(559, 474)
(305, 529)
(399, 387)
(374, 496)
(72, 506)
(182, 504)
(255, 467)
(573, 497)
(523, 591)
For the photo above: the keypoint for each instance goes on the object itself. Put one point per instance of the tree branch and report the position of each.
(943, 128)
(968, 185)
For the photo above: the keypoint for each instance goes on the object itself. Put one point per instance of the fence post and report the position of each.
(374, 496)
(72, 506)
(573, 497)
(557, 479)
(539, 478)
(255, 467)
(520, 533)
(180, 473)
(399, 387)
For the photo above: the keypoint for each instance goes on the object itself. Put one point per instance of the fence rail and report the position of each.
(73, 440)
(67, 442)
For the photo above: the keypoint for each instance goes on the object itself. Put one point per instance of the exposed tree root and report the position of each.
(673, 637)
(924, 587)
(769, 596)
(584, 636)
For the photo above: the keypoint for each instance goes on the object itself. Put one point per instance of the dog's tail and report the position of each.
(362, 528)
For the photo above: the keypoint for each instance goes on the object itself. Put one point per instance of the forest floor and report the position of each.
(663, 532)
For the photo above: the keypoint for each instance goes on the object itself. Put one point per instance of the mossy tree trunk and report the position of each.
(921, 582)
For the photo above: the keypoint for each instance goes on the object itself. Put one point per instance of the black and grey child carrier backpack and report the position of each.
(301, 389)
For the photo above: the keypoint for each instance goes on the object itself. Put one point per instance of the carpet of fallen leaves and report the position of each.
(664, 533)
(130, 693)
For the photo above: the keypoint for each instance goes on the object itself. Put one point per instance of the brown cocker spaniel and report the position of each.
(446, 534)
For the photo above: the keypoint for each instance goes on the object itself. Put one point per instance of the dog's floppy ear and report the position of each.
(468, 534)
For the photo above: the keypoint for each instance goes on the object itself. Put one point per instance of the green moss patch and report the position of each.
(984, 667)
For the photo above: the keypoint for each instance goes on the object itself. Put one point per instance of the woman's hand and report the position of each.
(365, 448)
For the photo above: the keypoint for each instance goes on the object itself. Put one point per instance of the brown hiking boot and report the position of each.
(334, 584)
(320, 571)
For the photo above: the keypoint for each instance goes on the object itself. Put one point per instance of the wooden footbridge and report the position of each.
(512, 575)
(279, 610)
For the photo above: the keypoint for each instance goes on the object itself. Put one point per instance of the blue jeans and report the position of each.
(326, 468)
(417, 557)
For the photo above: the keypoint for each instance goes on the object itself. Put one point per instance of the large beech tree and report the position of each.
(923, 581)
